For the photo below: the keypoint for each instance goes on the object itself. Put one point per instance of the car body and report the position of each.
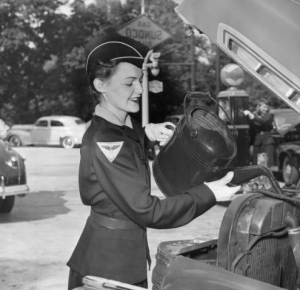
(286, 134)
(257, 247)
(66, 131)
(12, 177)
(266, 46)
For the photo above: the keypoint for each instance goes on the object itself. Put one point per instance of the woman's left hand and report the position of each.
(160, 132)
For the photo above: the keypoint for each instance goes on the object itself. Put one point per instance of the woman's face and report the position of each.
(264, 108)
(123, 89)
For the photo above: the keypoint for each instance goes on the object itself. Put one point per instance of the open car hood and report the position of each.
(263, 37)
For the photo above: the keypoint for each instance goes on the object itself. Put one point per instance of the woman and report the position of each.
(3, 130)
(114, 176)
(261, 125)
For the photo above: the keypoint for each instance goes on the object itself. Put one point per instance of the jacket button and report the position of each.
(143, 157)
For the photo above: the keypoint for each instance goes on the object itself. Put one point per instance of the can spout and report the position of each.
(247, 173)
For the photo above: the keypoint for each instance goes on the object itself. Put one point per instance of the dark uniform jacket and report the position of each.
(114, 179)
(263, 140)
(262, 127)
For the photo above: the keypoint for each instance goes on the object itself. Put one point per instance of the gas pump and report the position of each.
(233, 102)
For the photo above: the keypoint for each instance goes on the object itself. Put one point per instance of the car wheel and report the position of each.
(7, 204)
(290, 174)
(68, 143)
(15, 141)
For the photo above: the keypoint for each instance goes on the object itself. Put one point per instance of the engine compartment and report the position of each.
(259, 238)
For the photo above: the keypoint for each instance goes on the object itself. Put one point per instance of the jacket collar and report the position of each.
(111, 117)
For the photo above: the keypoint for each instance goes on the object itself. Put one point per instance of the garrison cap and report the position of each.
(115, 47)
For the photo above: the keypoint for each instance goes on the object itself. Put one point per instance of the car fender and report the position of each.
(12, 172)
(68, 135)
(292, 150)
(23, 132)
(186, 273)
(75, 132)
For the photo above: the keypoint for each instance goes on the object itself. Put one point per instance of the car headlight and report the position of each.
(12, 162)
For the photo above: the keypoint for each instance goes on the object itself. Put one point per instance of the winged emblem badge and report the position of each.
(110, 149)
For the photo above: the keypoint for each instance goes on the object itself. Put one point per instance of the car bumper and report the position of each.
(13, 190)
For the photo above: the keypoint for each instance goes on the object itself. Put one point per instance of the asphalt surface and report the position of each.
(39, 235)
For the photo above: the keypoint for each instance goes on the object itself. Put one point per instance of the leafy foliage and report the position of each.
(42, 57)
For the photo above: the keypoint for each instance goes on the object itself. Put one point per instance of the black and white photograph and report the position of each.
(148, 144)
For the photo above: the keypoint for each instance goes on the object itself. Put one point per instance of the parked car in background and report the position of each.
(12, 177)
(65, 131)
(12, 172)
(286, 134)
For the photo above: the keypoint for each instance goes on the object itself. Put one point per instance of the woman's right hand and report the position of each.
(249, 114)
(220, 188)
(161, 132)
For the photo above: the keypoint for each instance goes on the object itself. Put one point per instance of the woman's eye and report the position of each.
(128, 85)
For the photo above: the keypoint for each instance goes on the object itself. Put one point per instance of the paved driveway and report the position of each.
(39, 235)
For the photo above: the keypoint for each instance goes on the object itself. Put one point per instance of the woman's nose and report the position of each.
(139, 88)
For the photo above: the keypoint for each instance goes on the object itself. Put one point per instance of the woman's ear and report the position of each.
(99, 85)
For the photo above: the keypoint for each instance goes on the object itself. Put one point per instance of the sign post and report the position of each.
(153, 56)
(144, 30)
(156, 86)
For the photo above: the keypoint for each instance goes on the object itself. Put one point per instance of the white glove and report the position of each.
(159, 132)
(248, 113)
(219, 188)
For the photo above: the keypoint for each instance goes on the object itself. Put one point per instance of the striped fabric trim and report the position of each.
(134, 57)
(113, 42)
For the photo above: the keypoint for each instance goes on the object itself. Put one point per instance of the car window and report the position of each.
(55, 123)
(41, 123)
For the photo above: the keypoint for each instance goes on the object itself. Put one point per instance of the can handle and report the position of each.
(188, 112)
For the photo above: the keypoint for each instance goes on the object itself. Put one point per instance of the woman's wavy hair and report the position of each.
(257, 110)
(100, 70)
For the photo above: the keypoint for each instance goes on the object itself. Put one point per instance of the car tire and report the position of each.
(7, 204)
(68, 142)
(15, 141)
(290, 174)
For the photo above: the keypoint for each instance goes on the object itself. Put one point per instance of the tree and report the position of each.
(42, 61)
(24, 49)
